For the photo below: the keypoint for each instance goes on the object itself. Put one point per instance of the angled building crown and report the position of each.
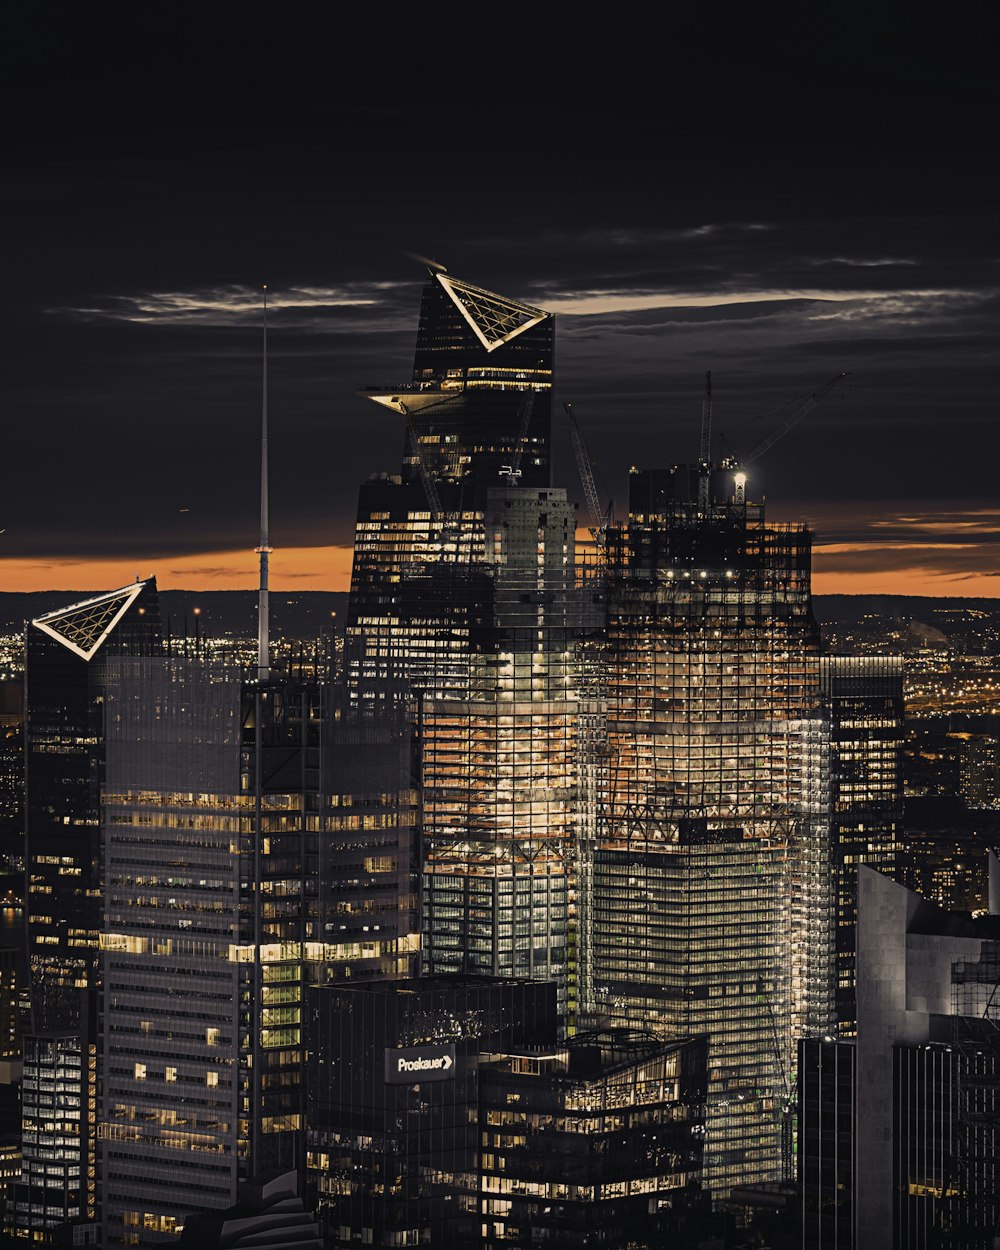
(83, 627)
(494, 319)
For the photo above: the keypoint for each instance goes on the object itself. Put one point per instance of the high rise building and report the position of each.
(863, 696)
(928, 1067)
(900, 1127)
(595, 1142)
(827, 1129)
(479, 402)
(11, 770)
(204, 924)
(394, 1078)
(253, 845)
(55, 1186)
(257, 836)
(711, 899)
(67, 652)
(461, 609)
(980, 771)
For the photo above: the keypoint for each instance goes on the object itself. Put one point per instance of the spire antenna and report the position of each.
(263, 648)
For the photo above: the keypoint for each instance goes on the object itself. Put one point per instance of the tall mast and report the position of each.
(263, 650)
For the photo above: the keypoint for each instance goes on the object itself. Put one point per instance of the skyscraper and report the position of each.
(461, 609)
(711, 908)
(900, 1126)
(66, 674)
(256, 838)
(210, 900)
(68, 653)
(863, 696)
(479, 402)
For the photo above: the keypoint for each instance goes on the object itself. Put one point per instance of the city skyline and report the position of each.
(728, 218)
(520, 890)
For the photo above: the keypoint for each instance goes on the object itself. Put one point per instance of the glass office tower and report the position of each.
(460, 610)
(711, 896)
(252, 845)
(863, 696)
(65, 674)
(67, 654)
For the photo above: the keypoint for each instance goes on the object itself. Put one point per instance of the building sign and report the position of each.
(415, 1064)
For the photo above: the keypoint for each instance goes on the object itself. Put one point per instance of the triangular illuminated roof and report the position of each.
(494, 319)
(83, 627)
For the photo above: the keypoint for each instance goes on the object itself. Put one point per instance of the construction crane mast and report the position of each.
(705, 451)
(512, 471)
(429, 485)
(599, 520)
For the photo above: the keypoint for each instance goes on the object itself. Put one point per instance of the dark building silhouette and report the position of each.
(444, 1112)
(270, 1215)
(394, 1072)
(827, 1109)
(899, 1129)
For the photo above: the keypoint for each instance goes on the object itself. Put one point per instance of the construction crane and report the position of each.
(815, 398)
(600, 520)
(705, 451)
(512, 471)
(429, 485)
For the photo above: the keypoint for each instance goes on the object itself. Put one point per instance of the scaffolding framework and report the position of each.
(711, 877)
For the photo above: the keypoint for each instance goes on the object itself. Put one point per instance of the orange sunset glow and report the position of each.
(292, 568)
(904, 569)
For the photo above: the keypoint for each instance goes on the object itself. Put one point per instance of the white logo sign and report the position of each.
(412, 1064)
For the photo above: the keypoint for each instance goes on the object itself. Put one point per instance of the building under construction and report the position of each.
(710, 877)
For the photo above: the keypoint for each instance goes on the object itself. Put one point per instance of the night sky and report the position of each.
(776, 205)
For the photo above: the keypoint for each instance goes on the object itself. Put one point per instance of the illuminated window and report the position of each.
(140, 1071)
(170, 1074)
(212, 1037)
(211, 1079)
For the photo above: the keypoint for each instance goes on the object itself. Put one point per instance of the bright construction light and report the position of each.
(740, 479)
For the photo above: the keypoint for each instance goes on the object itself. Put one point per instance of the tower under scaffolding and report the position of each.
(710, 881)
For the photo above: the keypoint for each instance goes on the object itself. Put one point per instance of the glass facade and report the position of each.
(67, 652)
(393, 1155)
(597, 1143)
(864, 700)
(180, 977)
(67, 657)
(56, 1181)
(827, 1130)
(711, 872)
(460, 610)
(255, 841)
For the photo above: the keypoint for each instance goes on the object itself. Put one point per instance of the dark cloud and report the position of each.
(774, 225)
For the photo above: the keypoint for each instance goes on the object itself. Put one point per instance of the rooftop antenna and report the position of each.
(263, 656)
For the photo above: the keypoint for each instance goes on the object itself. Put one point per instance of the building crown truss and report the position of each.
(494, 319)
(83, 627)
